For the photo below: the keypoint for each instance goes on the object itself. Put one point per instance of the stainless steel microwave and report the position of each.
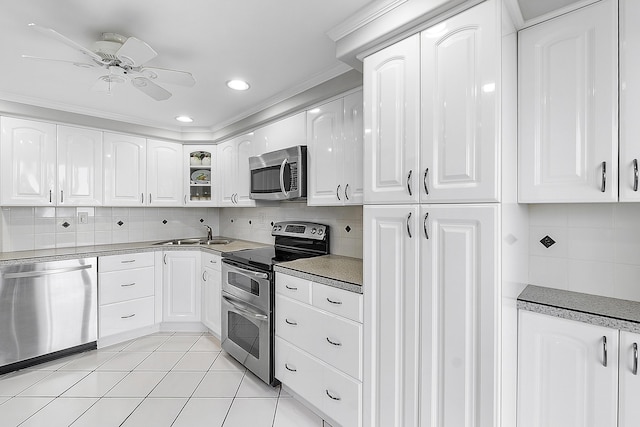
(279, 175)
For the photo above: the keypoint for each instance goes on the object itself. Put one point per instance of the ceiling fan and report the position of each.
(124, 59)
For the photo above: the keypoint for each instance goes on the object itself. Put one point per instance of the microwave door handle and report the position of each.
(284, 163)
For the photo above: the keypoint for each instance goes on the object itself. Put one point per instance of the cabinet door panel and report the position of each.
(181, 287)
(28, 162)
(392, 123)
(353, 135)
(226, 168)
(324, 136)
(568, 85)
(164, 173)
(459, 293)
(392, 316)
(125, 170)
(244, 150)
(211, 288)
(629, 410)
(459, 105)
(79, 167)
(562, 380)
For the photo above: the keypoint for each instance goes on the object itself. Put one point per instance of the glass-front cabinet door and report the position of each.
(200, 161)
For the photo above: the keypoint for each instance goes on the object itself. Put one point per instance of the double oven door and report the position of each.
(247, 318)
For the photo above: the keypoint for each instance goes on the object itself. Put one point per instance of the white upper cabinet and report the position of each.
(568, 108)
(281, 134)
(233, 169)
(28, 155)
(79, 167)
(164, 173)
(460, 66)
(200, 174)
(629, 100)
(125, 167)
(567, 373)
(334, 147)
(392, 123)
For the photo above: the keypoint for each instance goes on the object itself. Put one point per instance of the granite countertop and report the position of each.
(23, 257)
(597, 310)
(333, 270)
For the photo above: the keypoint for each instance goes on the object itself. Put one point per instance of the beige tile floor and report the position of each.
(166, 379)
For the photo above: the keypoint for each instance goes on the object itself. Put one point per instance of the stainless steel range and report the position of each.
(248, 292)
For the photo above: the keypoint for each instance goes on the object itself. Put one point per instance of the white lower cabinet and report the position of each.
(181, 286)
(430, 341)
(126, 293)
(575, 374)
(319, 353)
(211, 288)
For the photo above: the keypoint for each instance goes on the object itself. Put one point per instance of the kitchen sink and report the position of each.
(192, 242)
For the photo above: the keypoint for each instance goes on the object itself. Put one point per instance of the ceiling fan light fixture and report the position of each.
(184, 119)
(237, 84)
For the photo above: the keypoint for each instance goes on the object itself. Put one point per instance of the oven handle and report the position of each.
(284, 163)
(244, 309)
(238, 268)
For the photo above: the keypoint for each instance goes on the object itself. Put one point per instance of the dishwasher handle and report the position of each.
(42, 273)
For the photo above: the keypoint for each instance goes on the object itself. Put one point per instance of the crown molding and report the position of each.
(363, 17)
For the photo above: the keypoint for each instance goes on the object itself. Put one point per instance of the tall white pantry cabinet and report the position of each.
(445, 243)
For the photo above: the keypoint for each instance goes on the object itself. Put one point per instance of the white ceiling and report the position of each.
(279, 46)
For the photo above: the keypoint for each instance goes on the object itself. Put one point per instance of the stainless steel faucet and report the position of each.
(209, 232)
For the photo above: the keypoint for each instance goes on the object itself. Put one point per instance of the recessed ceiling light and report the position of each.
(184, 119)
(238, 84)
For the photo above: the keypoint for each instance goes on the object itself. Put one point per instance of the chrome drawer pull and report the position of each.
(408, 226)
(213, 262)
(635, 359)
(127, 261)
(332, 397)
(604, 351)
(128, 284)
(604, 177)
(128, 317)
(333, 343)
(204, 276)
(286, 365)
(409, 182)
(635, 174)
(290, 288)
(334, 302)
(291, 323)
(424, 181)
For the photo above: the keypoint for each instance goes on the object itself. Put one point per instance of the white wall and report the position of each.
(28, 228)
(255, 224)
(597, 249)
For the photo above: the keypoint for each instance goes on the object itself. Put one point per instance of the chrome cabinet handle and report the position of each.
(424, 225)
(128, 261)
(204, 276)
(346, 188)
(185, 199)
(213, 262)
(635, 359)
(150, 200)
(61, 196)
(408, 227)
(604, 177)
(50, 194)
(604, 351)
(635, 174)
(334, 302)
(332, 397)
(127, 285)
(291, 323)
(409, 183)
(285, 192)
(286, 365)
(128, 317)
(424, 181)
(164, 259)
(333, 343)
(338, 192)
(142, 198)
(290, 288)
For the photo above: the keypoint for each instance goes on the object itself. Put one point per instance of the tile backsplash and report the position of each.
(28, 228)
(596, 249)
(255, 223)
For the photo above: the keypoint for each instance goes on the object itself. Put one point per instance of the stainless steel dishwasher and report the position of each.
(47, 310)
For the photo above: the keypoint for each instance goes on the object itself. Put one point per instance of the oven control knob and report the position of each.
(320, 232)
(313, 230)
(279, 227)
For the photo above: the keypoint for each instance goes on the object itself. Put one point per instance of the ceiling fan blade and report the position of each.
(134, 52)
(150, 88)
(77, 64)
(56, 35)
(164, 75)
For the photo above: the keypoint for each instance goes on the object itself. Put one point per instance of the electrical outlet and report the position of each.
(83, 217)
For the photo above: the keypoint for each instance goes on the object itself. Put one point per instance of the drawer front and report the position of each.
(332, 339)
(334, 393)
(212, 261)
(338, 301)
(117, 286)
(125, 316)
(123, 262)
(294, 287)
